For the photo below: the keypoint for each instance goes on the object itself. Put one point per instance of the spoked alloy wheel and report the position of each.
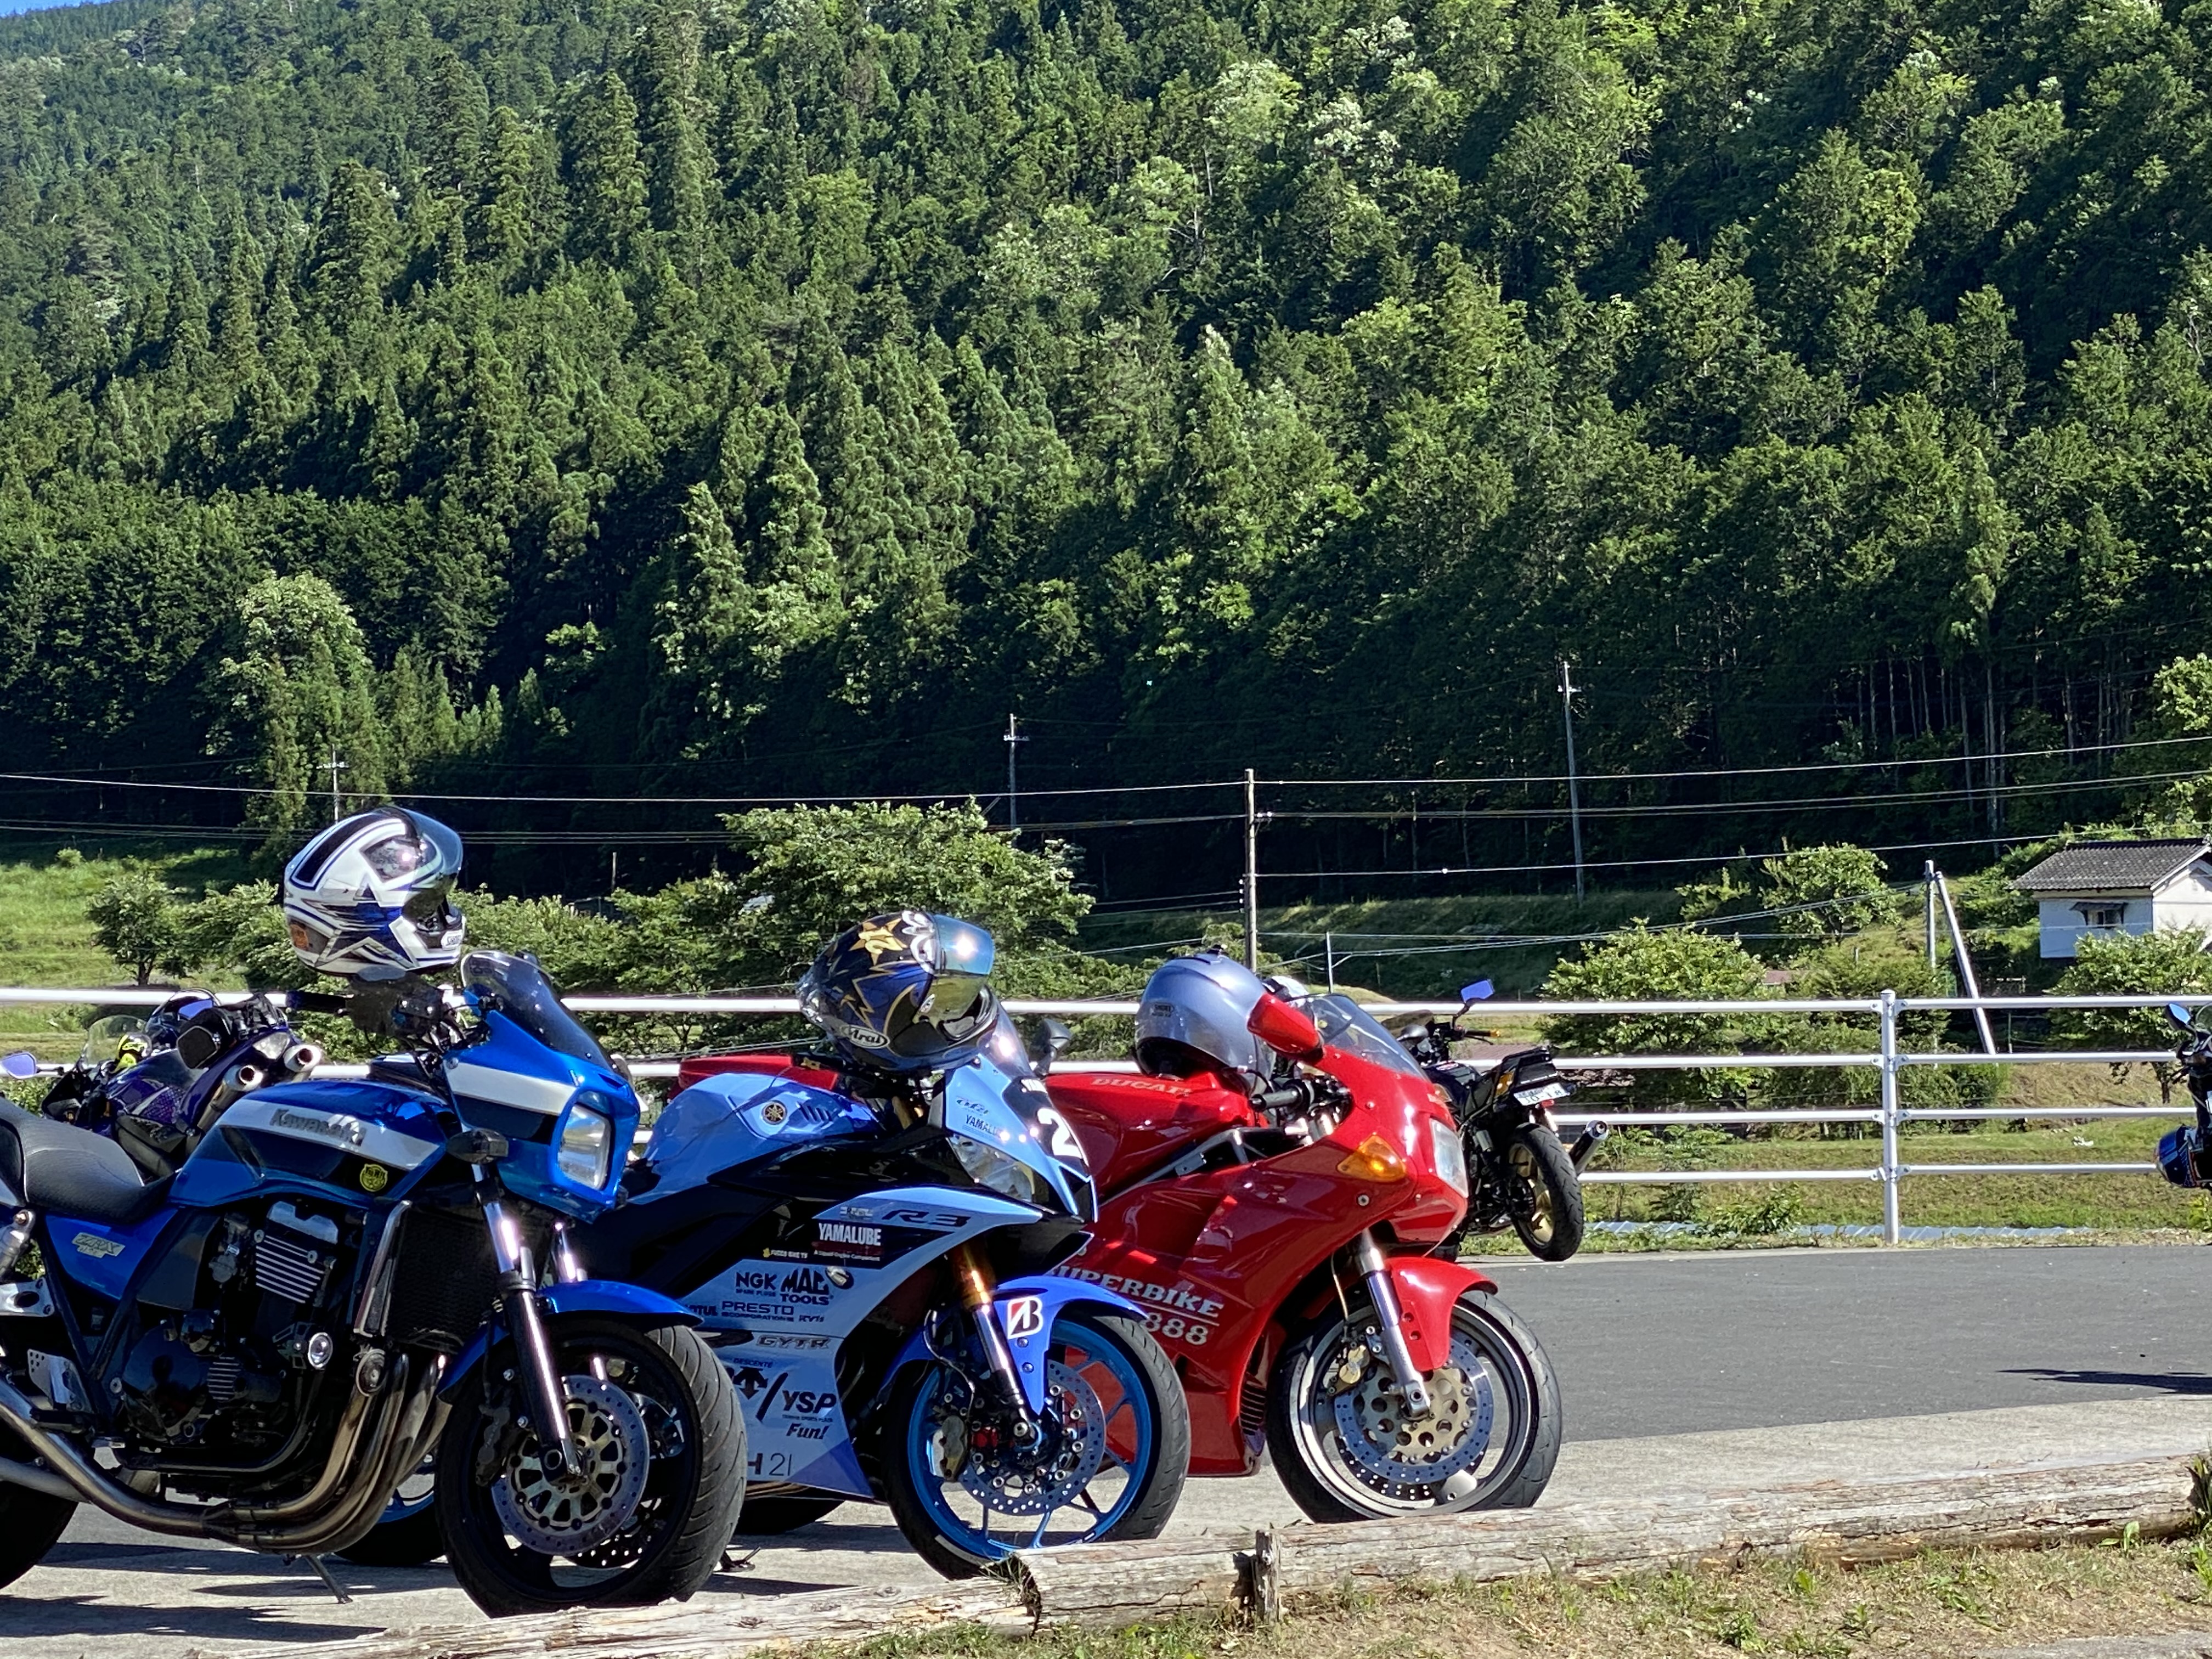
(1110, 1463)
(1347, 1449)
(646, 1515)
(1547, 1210)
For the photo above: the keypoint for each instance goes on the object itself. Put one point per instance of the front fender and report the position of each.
(1427, 1287)
(646, 1310)
(1026, 1309)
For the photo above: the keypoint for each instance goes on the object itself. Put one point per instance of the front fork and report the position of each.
(547, 1395)
(1390, 1318)
(974, 1279)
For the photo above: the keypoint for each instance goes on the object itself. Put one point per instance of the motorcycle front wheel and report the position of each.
(1549, 1220)
(644, 1519)
(1108, 1464)
(1347, 1449)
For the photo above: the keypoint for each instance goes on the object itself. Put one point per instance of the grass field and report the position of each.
(46, 940)
(1936, 1606)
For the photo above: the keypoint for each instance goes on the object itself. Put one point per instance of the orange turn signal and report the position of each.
(1374, 1159)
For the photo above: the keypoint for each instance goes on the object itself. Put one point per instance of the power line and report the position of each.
(1627, 864)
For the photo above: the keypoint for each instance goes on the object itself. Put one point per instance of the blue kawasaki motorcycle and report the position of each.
(871, 1256)
(255, 1328)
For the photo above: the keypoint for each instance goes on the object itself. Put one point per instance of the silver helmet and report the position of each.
(1192, 1018)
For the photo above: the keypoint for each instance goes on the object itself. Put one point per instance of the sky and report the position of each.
(10, 8)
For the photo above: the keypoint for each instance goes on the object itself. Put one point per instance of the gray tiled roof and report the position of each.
(2109, 866)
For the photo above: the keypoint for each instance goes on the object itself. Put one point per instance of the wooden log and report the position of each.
(711, 1626)
(1837, 1522)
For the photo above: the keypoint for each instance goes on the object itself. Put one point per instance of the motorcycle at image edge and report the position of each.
(1283, 1243)
(1502, 1096)
(870, 1258)
(2184, 1154)
(342, 1280)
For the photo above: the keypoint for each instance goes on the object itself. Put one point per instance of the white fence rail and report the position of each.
(1886, 1009)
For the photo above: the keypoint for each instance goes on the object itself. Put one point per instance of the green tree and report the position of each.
(292, 687)
(1647, 965)
(610, 174)
(2167, 961)
(135, 919)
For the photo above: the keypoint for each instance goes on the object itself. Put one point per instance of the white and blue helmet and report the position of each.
(375, 891)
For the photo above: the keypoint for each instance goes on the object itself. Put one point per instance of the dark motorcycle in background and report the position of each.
(1502, 1096)
(2184, 1154)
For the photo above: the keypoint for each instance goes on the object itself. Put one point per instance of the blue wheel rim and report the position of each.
(1105, 1365)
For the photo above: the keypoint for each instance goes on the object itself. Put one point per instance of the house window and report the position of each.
(2102, 915)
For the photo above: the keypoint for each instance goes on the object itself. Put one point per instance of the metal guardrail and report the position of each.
(1887, 1010)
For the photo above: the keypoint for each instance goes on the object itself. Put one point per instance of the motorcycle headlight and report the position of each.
(1450, 1153)
(989, 1167)
(586, 1146)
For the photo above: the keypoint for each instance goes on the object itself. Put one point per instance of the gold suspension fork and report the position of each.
(972, 1275)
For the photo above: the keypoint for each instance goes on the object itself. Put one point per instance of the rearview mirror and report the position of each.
(1482, 991)
(1285, 1030)
(22, 1063)
(1057, 1036)
(2181, 1016)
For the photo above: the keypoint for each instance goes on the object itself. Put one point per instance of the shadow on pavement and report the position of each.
(71, 1616)
(2165, 1382)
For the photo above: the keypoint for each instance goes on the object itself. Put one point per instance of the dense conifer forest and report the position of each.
(621, 398)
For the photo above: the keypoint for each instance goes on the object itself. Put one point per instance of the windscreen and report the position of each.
(1344, 1024)
(520, 990)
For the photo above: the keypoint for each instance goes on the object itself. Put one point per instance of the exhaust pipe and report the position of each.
(302, 1058)
(244, 1078)
(70, 1466)
(399, 1433)
(1586, 1142)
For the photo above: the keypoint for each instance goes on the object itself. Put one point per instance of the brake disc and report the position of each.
(1388, 1445)
(1071, 1450)
(576, 1509)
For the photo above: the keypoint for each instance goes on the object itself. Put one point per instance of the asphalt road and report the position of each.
(1697, 1370)
(1649, 1345)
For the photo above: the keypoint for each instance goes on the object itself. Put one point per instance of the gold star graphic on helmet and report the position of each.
(879, 940)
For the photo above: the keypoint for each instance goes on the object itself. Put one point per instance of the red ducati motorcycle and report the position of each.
(1281, 1242)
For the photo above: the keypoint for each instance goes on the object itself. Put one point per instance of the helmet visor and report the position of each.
(957, 1009)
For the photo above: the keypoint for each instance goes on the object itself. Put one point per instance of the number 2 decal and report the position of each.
(1063, 1142)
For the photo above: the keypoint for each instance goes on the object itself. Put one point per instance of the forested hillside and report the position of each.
(624, 398)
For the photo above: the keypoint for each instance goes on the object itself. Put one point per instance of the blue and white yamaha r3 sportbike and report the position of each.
(870, 1257)
(340, 1279)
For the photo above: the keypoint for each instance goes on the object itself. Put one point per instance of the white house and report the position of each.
(2104, 887)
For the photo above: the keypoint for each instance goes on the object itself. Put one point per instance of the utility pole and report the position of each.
(614, 866)
(1013, 738)
(1251, 871)
(1328, 952)
(1567, 690)
(337, 766)
(1927, 909)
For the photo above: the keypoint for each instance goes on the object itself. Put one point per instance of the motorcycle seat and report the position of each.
(58, 1166)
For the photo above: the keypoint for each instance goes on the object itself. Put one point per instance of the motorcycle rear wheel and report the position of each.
(693, 1481)
(31, 1522)
(408, 1535)
(1552, 1227)
(1345, 1452)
